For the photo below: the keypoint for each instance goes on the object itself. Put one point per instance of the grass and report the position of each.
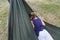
(3, 20)
(51, 8)
(2, 0)
(3, 23)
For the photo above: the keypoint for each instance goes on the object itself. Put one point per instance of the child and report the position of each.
(39, 29)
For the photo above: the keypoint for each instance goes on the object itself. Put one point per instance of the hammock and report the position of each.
(20, 28)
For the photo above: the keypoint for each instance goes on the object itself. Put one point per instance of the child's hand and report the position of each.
(32, 24)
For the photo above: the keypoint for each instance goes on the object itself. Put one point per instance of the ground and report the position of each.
(49, 10)
(3, 19)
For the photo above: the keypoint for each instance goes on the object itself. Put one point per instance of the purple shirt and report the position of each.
(38, 26)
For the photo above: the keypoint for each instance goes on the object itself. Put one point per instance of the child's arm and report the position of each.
(42, 21)
(32, 24)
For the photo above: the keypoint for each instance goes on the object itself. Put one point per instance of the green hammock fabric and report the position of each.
(53, 30)
(20, 27)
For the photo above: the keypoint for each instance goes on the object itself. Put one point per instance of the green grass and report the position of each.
(2, 0)
(3, 20)
(52, 8)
